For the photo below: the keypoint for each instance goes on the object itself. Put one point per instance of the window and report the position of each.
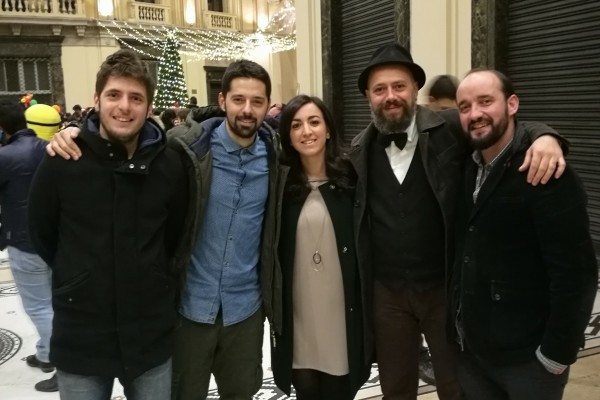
(215, 5)
(19, 76)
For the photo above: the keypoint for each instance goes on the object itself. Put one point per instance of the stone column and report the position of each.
(489, 34)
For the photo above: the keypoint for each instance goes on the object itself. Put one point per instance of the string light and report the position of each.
(203, 44)
(283, 21)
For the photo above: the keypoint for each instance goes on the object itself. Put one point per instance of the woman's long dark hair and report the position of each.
(337, 167)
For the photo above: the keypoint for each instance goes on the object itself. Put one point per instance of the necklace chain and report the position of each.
(317, 259)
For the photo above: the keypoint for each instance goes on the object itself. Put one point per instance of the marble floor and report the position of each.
(18, 337)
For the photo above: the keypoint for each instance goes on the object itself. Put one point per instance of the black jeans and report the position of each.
(525, 381)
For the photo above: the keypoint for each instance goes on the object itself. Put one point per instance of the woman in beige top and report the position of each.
(320, 350)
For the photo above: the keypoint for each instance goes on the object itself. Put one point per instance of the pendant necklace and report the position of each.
(317, 259)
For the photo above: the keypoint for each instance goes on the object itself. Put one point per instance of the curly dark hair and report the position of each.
(337, 166)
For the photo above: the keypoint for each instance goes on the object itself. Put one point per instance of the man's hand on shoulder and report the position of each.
(63, 144)
(544, 159)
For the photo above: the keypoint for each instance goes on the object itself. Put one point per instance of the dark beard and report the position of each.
(238, 131)
(495, 134)
(399, 124)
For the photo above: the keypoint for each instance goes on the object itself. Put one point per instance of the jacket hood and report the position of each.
(150, 134)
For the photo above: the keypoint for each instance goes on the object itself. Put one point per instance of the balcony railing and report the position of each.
(147, 12)
(43, 8)
(220, 21)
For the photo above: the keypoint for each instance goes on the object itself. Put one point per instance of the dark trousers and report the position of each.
(400, 316)
(525, 381)
(233, 354)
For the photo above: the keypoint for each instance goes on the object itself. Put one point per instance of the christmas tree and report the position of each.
(170, 90)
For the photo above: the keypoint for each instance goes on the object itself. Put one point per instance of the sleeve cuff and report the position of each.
(552, 366)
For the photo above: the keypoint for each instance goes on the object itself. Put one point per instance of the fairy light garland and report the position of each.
(203, 44)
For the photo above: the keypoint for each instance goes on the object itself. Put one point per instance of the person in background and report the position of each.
(274, 114)
(409, 164)
(109, 226)
(525, 272)
(168, 118)
(182, 114)
(77, 115)
(20, 154)
(193, 103)
(321, 349)
(442, 92)
(442, 96)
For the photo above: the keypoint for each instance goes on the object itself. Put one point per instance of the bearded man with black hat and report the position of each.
(409, 162)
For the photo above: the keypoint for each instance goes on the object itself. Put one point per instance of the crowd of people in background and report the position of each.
(171, 235)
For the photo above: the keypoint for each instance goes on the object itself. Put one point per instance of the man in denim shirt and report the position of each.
(230, 272)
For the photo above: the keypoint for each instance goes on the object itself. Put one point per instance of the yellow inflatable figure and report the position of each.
(43, 119)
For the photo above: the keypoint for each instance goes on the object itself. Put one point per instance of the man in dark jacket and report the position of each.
(409, 163)
(232, 281)
(20, 155)
(109, 226)
(525, 272)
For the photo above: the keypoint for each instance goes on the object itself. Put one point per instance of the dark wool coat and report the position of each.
(340, 204)
(525, 271)
(109, 227)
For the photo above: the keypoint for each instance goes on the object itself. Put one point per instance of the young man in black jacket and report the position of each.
(109, 226)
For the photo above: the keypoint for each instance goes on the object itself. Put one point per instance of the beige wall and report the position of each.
(441, 38)
(81, 59)
(308, 51)
(195, 78)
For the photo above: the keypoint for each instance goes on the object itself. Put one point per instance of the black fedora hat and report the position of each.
(391, 53)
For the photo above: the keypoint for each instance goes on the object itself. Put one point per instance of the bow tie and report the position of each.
(398, 138)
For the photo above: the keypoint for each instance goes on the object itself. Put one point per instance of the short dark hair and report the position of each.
(12, 117)
(337, 167)
(505, 83)
(193, 100)
(245, 69)
(76, 107)
(444, 87)
(125, 63)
